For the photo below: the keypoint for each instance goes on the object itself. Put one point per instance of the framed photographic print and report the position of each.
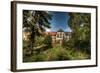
(48, 36)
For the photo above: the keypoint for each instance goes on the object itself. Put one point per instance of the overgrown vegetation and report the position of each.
(39, 47)
(57, 53)
(80, 23)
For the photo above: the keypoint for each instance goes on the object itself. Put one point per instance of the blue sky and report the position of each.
(59, 21)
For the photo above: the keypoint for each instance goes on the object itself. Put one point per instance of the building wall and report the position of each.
(59, 37)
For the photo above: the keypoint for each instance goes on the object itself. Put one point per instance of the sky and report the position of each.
(59, 21)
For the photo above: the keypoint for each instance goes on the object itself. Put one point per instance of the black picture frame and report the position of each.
(14, 34)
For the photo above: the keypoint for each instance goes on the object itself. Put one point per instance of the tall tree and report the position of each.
(60, 30)
(36, 21)
(81, 29)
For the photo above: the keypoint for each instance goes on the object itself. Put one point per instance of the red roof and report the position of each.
(51, 33)
(54, 33)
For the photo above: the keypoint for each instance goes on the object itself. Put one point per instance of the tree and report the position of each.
(48, 41)
(60, 30)
(80, 25)
(36, 21)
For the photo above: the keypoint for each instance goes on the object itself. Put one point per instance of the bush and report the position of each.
(57, 53)
(40, 57)
(68, 44)
(38, 40)
(48, 41)
(25, 44)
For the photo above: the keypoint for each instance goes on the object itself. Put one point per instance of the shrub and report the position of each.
(48, 41)
(57, 53)
(40, 57)
(68, 44)
(38, 40)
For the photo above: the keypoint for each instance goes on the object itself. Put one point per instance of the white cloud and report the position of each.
(48, 30)
(68, 30)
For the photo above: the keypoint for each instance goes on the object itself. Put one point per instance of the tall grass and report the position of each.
(57, 53)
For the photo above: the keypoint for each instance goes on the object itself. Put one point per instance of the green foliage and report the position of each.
(36, 21)
(68, 44)
(38, 41)
(48, 41)
(25, 44)
(40, 57)
(81, 30)
(77, 54)
(60, 30)
(76, 48)
(57, 53)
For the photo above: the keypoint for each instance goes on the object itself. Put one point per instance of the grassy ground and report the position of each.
(57, 53)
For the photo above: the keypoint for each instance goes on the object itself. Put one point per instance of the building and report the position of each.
(26, 34)
(59, 37)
